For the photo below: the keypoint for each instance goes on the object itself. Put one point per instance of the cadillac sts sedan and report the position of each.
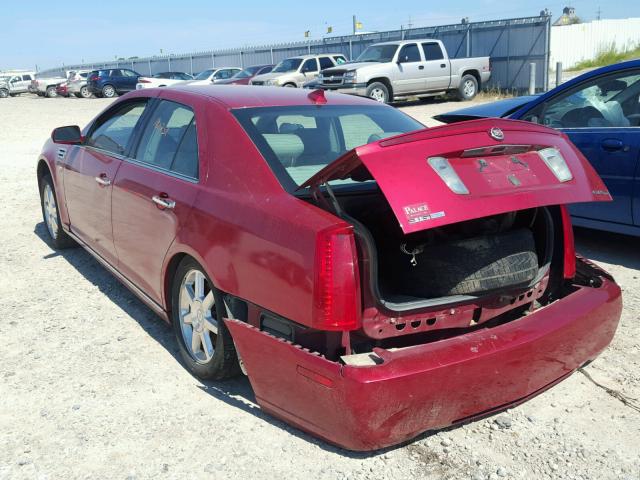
(373, 279)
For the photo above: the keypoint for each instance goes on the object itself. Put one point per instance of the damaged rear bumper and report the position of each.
(429, 386)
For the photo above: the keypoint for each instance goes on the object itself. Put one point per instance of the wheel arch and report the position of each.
(237, 306)
(473, 73)
(386, 82)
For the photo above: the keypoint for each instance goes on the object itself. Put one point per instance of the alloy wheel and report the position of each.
(469, 88)
(378, 95)
(197, 316)
(50, 211)
(108, 91)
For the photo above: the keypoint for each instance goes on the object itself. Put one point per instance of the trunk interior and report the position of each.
(450, 264)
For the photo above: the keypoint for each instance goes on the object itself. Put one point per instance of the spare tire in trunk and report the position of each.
(469, 266)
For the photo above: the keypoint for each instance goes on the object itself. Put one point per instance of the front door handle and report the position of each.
(443, 65)
(163, 202)
(421, 67)
(612, 144)
(103, 180)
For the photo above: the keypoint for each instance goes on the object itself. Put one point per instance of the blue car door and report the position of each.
(601, 116)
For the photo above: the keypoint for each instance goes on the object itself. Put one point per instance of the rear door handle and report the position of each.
(612, 144)
(103, 180)
(421, 67)
(443, 65)
(163, 202)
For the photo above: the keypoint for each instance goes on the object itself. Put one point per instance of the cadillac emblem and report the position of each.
(496, 134)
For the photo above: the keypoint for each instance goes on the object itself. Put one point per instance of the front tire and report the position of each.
(109, 91)
(379, 92)
(51, 92)
(51, 216)
(197, 309)
(290, 85)
(468, 88)
(84, 92)
(4, 93)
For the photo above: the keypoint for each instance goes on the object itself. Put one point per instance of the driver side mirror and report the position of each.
(70, 135)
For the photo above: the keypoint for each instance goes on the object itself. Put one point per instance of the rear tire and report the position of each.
(109, 91)
(51, 216)
(197, 309)
(51, 92)
(4, 93)
(290, 85)
(84, 92)
(379, 92)
(468, 88)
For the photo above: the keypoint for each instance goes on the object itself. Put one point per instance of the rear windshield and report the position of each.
(299, 141)
(203, 75)
(288, 65)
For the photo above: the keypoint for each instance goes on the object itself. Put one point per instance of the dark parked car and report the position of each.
(243, 77)
(374, 279)
(112, 82)
(600, 112)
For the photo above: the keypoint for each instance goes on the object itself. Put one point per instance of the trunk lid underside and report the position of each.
(497, 162)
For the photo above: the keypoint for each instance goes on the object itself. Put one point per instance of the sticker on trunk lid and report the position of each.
(419, 212)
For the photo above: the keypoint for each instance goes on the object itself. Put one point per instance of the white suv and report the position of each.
(296, 71)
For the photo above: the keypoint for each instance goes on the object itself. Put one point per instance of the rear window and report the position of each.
(299, 141)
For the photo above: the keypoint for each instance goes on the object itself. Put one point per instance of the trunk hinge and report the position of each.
(318, 196)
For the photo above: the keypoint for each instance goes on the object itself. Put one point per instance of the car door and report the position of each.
(437, 69)
(153, 193)
(129, 79)
(90, 172)
(602, 118)
(410, 67)
(309, 70)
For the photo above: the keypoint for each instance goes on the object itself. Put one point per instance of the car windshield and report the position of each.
(247, 72)
(288, 65)
(378, 53)
(299, 141)
(162, 75)
(205, 74)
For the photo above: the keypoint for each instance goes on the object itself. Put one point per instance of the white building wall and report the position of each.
(571, 44)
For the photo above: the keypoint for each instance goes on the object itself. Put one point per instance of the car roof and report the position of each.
(315, 55)
(246, 96)
(404, 42)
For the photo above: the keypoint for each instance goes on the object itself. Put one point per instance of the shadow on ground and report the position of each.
(608, 247)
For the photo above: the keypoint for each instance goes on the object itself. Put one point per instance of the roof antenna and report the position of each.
(317, 97)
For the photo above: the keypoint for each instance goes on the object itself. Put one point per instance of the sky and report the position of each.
(38, 34)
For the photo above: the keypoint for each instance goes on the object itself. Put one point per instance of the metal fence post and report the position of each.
(213, 60)
(191, 64)
(150, 72)
(558, 73)
(169, 60)
(272, 61)
(532, 78)
(350, 49)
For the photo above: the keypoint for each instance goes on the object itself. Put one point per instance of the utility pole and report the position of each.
(354, 24)
(598, 14)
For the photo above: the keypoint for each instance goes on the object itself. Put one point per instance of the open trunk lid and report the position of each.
(469, 170)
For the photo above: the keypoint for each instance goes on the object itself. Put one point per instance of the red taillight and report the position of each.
(143, 80)
(337, 281)
(569, 250)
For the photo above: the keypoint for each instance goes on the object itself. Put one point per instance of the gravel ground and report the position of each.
(91, 385)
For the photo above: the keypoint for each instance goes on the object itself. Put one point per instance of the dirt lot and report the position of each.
(91, 385)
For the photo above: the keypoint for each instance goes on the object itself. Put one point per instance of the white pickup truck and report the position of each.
(392, 70)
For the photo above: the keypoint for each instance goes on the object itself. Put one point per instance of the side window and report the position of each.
(115, 73)
(325, 62)
(432, 51)
(113, 132)
(310, 65)
(409, 53)
(169, 139)
(26, 77)
(129, 73)
(340, 59)
(265, 70)
(609, 102)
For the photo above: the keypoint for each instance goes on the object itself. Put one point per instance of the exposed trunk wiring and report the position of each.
(628, 401)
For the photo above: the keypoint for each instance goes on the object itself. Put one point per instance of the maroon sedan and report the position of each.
(243, 77)
(374, 279)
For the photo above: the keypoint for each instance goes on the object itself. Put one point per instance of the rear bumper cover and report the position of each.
(428, 386)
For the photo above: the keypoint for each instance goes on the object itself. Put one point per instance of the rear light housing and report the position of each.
(143, 80)
(569, 248)
(337, 303)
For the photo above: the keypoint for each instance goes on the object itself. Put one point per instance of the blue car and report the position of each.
(112, 82)
(600, 112)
